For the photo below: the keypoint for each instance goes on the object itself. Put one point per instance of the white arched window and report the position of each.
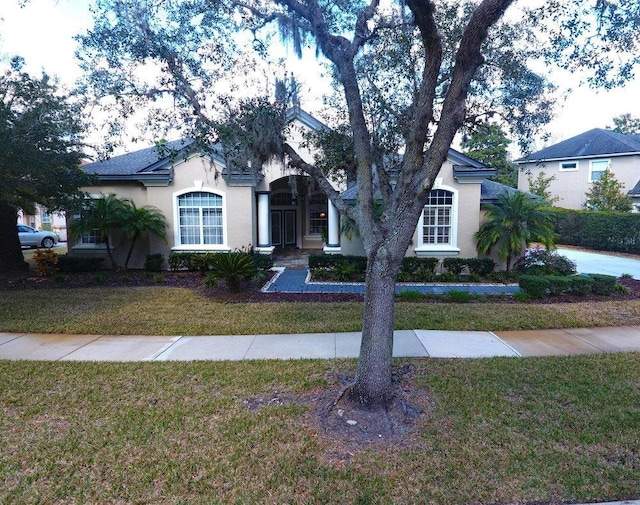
(437, 228)
(200, 219)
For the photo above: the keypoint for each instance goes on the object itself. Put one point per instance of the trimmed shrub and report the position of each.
(539, 261)
(481, 266)
(558, 284)
(604, 231)
(154, 262)
(331, 261)
(68, 263)
(46, 261)
(263, 262)
(454, 265)
(603, 284)
(180, 261)
(534, 285)
(581, 285)
(414, 265)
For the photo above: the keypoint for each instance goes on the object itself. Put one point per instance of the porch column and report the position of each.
(264, 236)
(333, 230)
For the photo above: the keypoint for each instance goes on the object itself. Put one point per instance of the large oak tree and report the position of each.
(40, 153)
(410, 75)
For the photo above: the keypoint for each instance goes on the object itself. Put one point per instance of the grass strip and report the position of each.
(175, 311)
(502, 430)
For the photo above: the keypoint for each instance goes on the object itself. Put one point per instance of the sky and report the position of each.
(42, 32)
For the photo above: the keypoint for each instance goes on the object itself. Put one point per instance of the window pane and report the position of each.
(436, 218)
(200, 215)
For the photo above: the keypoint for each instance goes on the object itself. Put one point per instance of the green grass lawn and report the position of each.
(158, 310)
(503, 430)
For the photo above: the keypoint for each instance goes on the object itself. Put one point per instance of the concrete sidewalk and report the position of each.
(407, 343)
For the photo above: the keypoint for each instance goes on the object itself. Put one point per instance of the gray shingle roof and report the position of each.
(596, 142)
(149, 160)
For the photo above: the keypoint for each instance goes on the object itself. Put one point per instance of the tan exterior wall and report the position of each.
(571, 186)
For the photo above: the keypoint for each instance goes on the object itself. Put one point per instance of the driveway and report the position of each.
(598, 263)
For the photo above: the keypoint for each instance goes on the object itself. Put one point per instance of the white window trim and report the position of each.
(224, 247)
(607, 161)
(308, 218)
(450, 249)
(575, 169)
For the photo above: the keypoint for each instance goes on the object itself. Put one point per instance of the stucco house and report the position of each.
(578, 161)
(210, 209)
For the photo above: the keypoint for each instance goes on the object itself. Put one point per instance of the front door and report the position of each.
(283, 228)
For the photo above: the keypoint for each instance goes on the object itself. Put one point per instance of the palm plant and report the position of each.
(139, 221)
(101, 215)
(512, 224)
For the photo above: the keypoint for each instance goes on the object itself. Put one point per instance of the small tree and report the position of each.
(139, 221)
(606, 195)
(489, 144)
(512, 224)
(540, 187)
(101, 215)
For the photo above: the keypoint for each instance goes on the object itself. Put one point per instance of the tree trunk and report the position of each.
(373, 386)
(11, 258)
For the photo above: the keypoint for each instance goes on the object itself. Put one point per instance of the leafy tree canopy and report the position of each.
(627, 124)
(40, 152)
(488, 144)
(40, 142)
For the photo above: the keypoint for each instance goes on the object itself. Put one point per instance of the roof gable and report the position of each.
(593, 143)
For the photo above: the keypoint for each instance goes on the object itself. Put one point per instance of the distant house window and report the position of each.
(318, 220)
(200, 219)
(568, 166)
(597, 169)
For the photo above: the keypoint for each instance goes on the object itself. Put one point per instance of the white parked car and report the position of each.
(30, 237)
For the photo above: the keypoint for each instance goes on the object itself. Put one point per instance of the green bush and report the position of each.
(180, 261)
(201, 262)
(414, 265)
(46, 262)
(331, 261)
(458, 296)
(263, 262)
(604, 231)
(603, 284)
(581, 285)
(540, 261)
(481, 266)
(67, 263)
(558, 284)
(534, 285)
(454, 265)
(154, 262)
(232, 267)
(410, 295)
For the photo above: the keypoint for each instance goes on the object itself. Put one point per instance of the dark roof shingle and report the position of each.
(596, 142)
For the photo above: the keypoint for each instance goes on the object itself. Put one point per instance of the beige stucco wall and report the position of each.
(195, 174)
(466, 221)
(571, 187)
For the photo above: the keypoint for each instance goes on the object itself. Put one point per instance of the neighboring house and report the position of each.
(45, 220)
(210, 209)
(576, 162)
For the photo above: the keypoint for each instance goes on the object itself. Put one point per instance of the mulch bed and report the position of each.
(251, 292)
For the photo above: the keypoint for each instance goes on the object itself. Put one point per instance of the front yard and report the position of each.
(538, 430)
